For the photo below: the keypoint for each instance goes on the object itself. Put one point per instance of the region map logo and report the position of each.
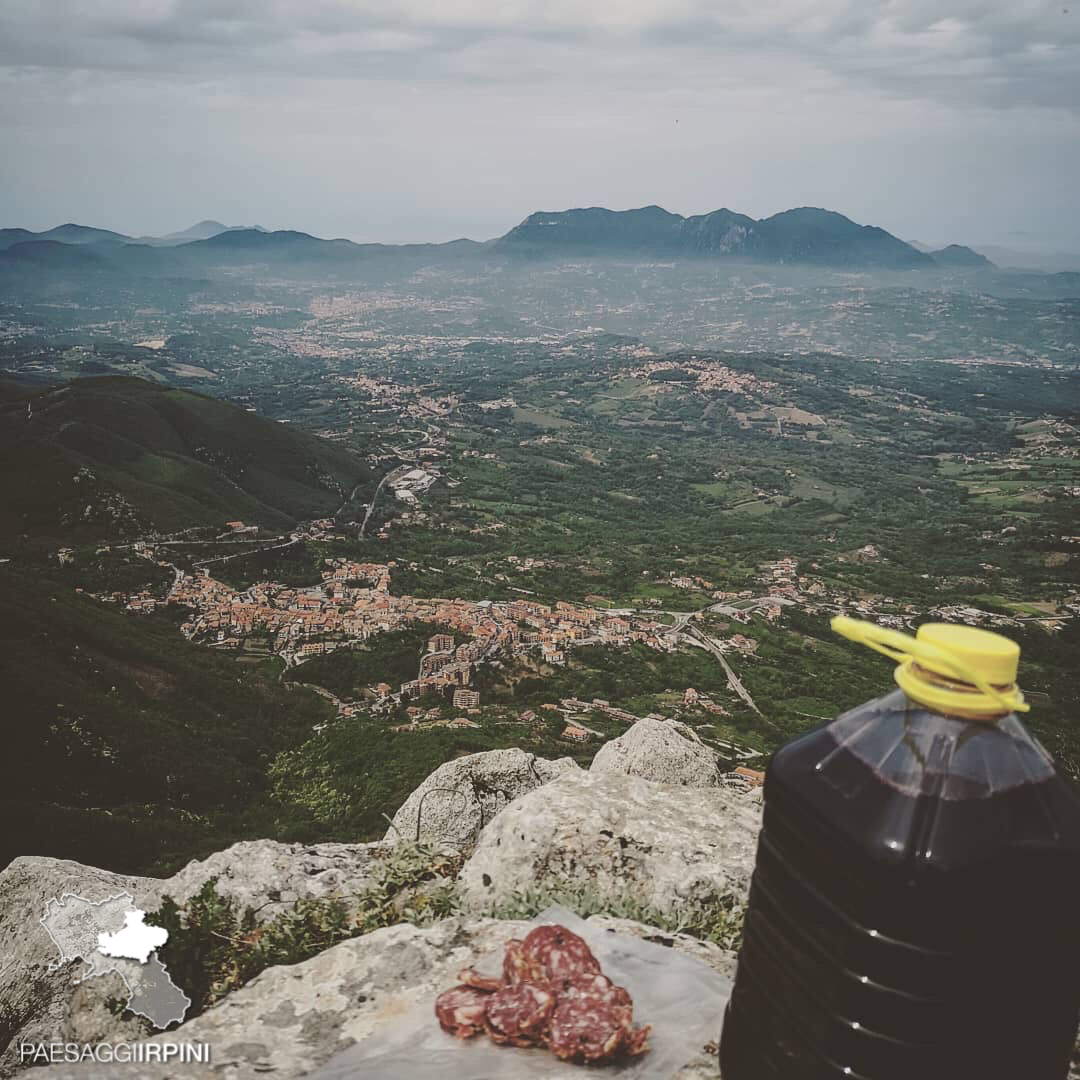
(111, 935)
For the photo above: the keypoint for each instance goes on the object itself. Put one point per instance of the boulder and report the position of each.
(616, 838)
(43, 1006)
(460, 797)
(288, 1021)
(662, 750)
(267, 875)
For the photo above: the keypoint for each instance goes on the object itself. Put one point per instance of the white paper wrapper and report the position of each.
(681, 998)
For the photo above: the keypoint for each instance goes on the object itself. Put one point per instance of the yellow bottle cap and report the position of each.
(952, 668)
(995, 658)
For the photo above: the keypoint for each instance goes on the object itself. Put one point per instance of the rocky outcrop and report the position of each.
(617, 836)
(613, 838)
(289, 1021)
(541, 824)
(44, 1006)
(266, 875)
(662, 750)
(460, 797)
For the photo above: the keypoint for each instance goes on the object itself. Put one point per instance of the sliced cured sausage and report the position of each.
(593, 1033)
(595, 990)
(552, 993)
(460, 1011)
(519, 966)
(559, 952)
(519, 1014)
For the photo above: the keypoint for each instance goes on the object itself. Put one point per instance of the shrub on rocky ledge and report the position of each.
(718, 920)
(215, 947)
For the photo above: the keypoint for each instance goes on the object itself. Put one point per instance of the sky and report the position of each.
(404, 120)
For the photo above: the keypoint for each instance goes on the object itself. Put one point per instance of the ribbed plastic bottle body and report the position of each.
(915, 907)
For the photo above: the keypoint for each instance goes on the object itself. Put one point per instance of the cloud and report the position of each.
(425, 119)
(1005, 54)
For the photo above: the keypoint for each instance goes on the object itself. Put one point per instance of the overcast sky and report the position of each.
(431, 119)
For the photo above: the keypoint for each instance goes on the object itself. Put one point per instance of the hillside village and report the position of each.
(353, 602)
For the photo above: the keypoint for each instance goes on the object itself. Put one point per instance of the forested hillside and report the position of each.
(109, 456)
(124, 744)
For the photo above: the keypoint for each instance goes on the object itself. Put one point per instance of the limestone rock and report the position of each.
(662, 750)
(289, 1021)
(460, 797)
(44, 1006)
(258, 872)
(617, 836)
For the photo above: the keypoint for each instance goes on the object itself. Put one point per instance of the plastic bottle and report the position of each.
(915, 906)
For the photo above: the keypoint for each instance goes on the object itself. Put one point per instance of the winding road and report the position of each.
(244, 554)
(733, 680)
(401, 469)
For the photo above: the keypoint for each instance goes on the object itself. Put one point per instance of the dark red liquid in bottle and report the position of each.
(915, 907)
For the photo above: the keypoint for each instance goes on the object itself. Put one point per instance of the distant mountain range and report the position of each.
(806, 235)
(72, 257)
(62, 234)
(84, 234)
(100, 455)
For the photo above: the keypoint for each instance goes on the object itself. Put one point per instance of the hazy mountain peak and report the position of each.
(240, 235)
(808, 234)
(201, 230)
(960, 257)
(596, 228)
(810, 214)
(72, 233)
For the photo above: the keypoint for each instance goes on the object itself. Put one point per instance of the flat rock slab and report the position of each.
(289, 1021)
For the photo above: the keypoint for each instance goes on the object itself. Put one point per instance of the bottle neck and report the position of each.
(954, 689)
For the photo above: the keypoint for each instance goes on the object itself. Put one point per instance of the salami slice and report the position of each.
(586, 1035)
(589, 1032)
(597, 989)
(486, 983)
(519, 1014)
(460, 1011)
(559, 952)
(519, 966)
